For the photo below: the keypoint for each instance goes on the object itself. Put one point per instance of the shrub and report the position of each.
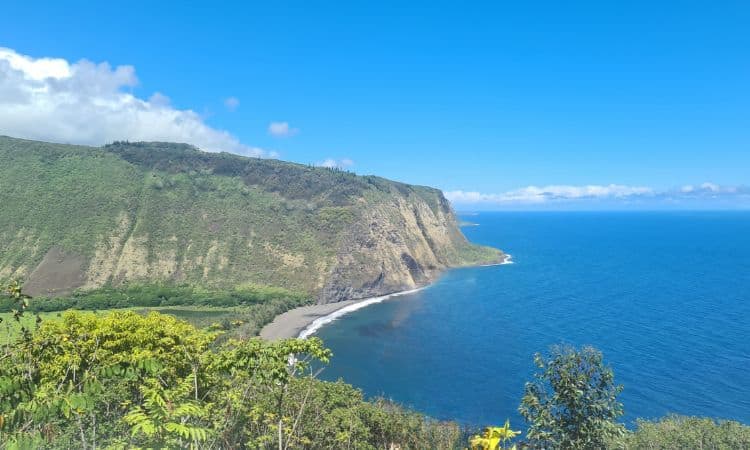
(674, 432)
(125, 380)
(572, 404)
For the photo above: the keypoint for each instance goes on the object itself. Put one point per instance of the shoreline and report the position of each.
(305, 321)
(291, 323)
(316, 324)
(506, 260)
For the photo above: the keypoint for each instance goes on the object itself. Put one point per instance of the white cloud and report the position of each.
(232, 103)
(711, 189)
(535, 194)
(532, 195)
(52, 99)
(334, 163)
(40, 68)
(281, 129)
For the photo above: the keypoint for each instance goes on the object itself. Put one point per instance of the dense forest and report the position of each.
(130, 380)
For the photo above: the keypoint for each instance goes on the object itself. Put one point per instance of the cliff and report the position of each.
(77, 217)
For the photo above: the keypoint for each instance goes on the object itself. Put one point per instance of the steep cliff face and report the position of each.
(402, 241)
(82, 217)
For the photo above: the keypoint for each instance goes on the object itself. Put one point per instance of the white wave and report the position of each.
(320, 321)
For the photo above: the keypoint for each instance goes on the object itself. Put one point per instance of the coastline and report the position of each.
(305, 321)
(293, 322)
(508, 259)
(316, 324)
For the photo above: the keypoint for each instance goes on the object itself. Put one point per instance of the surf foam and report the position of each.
(316, 324)
(506, 260)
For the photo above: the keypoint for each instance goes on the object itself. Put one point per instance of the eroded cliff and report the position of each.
(79, 217)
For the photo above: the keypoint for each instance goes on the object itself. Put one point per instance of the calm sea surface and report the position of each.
(665, 296)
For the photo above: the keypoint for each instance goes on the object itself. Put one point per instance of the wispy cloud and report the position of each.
(710, 189)
(335, 163)
(231, 103)
(281, 129)
(92, 103)
(534, 195)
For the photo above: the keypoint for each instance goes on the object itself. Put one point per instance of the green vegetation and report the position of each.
(573, 401)
(677, 432)
(243, 310)
(11, 328)
(162, 295)
(494, 438)
(183, 226)
(237, 322)
(125, 380)
(572, 404)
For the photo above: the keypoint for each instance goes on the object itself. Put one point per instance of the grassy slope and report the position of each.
(72, 196)
(49, 191)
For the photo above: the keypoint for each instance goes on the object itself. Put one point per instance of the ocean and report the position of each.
(664, 295)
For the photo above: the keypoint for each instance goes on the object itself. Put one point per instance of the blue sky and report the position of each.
(503, 105)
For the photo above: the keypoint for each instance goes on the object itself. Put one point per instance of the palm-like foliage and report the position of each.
(168, 417)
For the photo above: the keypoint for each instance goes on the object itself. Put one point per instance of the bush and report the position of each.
(677, 432)
(572, 404)
(125, 380)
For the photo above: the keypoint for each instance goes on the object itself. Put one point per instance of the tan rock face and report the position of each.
(398, 245)
(108, 254)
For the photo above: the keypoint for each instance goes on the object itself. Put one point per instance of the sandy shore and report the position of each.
(292, 322)
(306, 320)
(310, 318)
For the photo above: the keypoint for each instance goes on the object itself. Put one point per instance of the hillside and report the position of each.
(77, 217)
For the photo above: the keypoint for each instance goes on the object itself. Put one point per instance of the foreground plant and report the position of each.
(126, 380)
(572, 404)
(673, 432)
(494, 438)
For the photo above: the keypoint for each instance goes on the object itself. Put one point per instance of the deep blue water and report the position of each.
(665, 296)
